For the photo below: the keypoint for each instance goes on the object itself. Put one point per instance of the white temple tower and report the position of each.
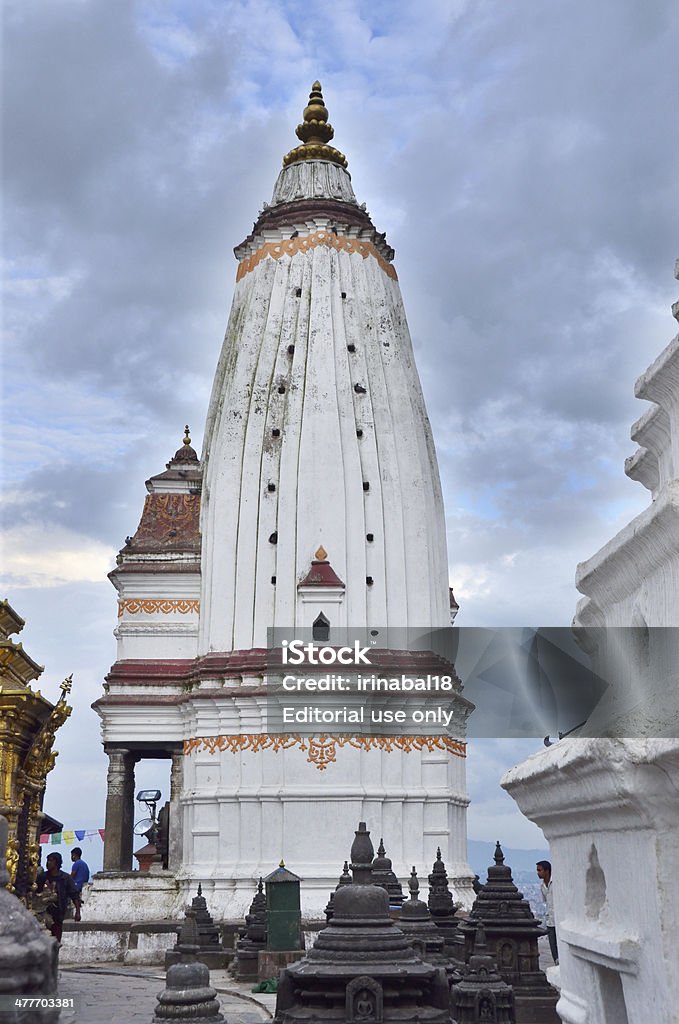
(320, 502)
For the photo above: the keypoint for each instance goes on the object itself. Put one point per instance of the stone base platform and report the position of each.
(214, 959)
(117, 941)
(145, 942)
(135, 895)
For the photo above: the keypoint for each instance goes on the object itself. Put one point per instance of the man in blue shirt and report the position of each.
(80, 873)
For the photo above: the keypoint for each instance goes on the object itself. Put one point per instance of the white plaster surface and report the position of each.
(318, 465)
(610, 812)
(134, 897)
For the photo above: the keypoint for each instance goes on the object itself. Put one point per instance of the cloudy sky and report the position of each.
(521, 158)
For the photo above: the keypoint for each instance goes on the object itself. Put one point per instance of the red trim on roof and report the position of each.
(321, 574)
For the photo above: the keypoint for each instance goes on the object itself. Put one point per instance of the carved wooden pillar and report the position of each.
(119, 810)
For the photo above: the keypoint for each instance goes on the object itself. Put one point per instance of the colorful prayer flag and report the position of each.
(80, 834)
(44, 837)
(56, 838)
(101, 833)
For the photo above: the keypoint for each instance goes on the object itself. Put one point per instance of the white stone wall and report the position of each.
(158, 612)
(610, 812)
(244, 812)
(609, 808)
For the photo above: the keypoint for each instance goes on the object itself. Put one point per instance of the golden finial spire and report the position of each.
(187, 436)
(315, 133)
(321, 555)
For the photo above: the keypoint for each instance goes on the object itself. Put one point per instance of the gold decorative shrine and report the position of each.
(28, 724)
(322, 750)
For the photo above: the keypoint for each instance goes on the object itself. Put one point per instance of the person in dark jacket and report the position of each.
(61, 886)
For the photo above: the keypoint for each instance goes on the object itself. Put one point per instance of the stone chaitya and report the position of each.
(443, 908)
(344, 879)
(362, 967)
(252, 938)
(210, 949)
(188, 995)
(426, 939)
(383, 875)
(482, 996)
(316, 498)
(512, 933)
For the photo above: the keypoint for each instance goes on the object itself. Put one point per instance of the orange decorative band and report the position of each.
(153, 606)
(322, 750)
(290, 246)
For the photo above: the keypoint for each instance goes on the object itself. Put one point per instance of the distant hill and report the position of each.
(522, 862)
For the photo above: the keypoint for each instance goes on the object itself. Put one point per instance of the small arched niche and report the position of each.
(321, 628)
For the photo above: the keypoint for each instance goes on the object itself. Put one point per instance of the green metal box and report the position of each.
(283, 913)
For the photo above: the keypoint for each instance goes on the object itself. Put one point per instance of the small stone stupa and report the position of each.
(383, 875)
(482, 995)
(443, 908)
(210, 949)
(252, 938)
(362, 967)
(426, 939)
(512, 932)
(344, 879)
(188, 996)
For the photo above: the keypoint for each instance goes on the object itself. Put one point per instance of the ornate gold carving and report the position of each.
(322, 750)
(315, 132)
(160, 605)
(12, 861)
(290, 246)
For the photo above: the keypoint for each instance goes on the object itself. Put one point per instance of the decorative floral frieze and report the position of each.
(322, 750)
(158, 605)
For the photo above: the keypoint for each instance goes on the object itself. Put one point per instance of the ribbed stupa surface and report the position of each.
(317, 431)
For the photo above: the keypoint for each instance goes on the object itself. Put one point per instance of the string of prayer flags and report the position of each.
(69, 836)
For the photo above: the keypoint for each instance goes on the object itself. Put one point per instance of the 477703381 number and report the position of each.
(36, 1003)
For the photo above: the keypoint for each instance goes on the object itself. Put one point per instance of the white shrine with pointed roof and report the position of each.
(316, 504)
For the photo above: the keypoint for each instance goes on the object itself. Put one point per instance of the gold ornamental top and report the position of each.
(315, 133)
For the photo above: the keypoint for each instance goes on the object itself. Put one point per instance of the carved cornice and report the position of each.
(305, 243)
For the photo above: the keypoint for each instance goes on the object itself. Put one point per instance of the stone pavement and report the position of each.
(114, 994)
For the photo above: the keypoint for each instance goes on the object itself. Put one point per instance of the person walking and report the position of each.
(544, 870)
(60, 886)
(80, 872)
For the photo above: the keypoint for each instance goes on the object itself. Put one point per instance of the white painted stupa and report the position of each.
(317, 500)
